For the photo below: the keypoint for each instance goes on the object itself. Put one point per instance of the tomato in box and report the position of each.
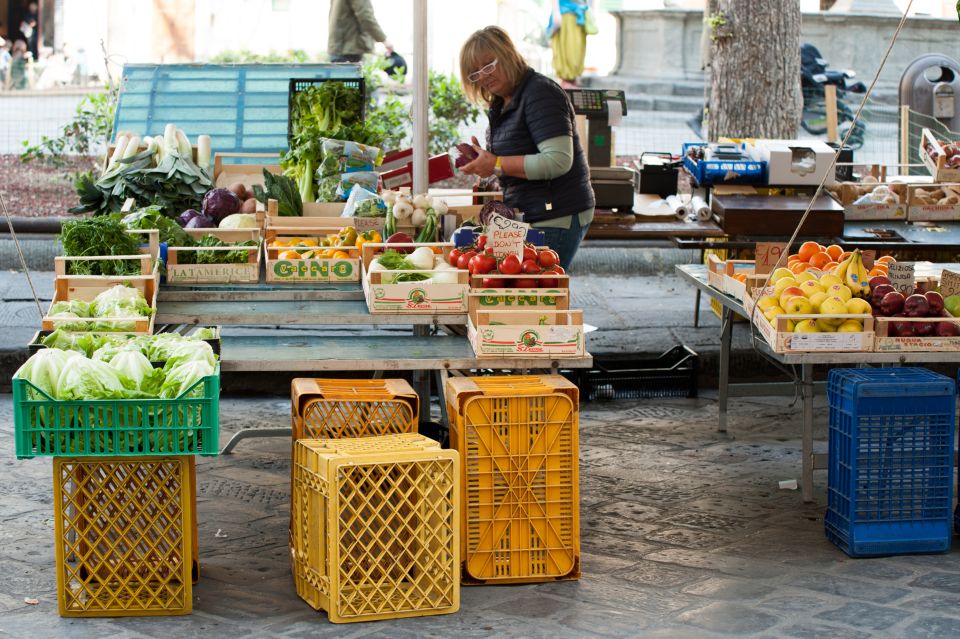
(525, 282)
(529, 253)
(548, 258)
(530, 267)
(510, 265)
(464, 260)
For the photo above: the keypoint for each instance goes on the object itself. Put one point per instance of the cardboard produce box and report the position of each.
(893, 207)
(795, 161)
(933, 203)
(526, 333)
(938, 158)
(412, 297)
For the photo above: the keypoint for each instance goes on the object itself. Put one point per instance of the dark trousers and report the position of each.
(349, 57)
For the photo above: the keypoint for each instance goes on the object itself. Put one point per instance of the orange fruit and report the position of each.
(885, 259)
(835, 252)
(875, 272)
(880, 266)
(794, 257)
(340, 255)
(817, 260)
(289, 255)
(799, 267)
(741, 277)
(829, 266)
(843, 256)
(808, 250)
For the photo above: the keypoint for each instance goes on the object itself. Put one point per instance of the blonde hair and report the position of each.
(478, 46)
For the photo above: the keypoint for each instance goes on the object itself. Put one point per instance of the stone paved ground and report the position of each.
(685, 534)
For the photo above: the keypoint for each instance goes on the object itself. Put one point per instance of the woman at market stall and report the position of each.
(532, 144)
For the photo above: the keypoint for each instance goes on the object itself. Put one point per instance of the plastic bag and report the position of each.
(369, 180)
(364, 203)
(345, 156)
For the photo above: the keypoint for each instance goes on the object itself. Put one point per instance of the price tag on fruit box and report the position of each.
(901, 277)
(949, 283)
(506, 236)
(768, 254)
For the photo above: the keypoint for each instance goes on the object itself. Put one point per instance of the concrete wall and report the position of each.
(665, 44)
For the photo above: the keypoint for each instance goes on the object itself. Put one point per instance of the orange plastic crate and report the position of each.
(376, 527)
(334, 408)
(518, 441)
(124, 536)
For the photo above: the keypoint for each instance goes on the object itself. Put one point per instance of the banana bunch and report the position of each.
(854, 274)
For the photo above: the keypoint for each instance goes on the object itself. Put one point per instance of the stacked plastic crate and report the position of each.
(375, 507)
(890, 479)
(124, 486)
(518, 441)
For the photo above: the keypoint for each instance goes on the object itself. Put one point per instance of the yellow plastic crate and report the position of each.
(518, 443)
(124, 529)
(334, 408)
(376, 527)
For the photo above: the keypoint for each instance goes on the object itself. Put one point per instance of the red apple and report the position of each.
(901, 329)
(923, 329)
(877, 280)
(877, 292)
(935, 300)
(916, 305)
(948, 329)
(892, 303)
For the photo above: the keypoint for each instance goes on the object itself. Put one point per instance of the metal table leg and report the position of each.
(807, 463)
(726, 334)
(247, 433)
(696, 310)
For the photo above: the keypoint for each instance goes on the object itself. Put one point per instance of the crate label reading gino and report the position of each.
(313, 269)
(901, 277)
(506, 236)
(539, 298)
(825, 341)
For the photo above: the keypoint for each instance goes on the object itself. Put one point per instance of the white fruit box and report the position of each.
(530, 333)
(247, 272)
(885, 342)
(227, 173)
(322, 215)
(933, 202)
(87, 287)
(795, 162)
(936, 163)
(782, 340)
(847, 193)
(412, 297)
(552, 294)
(308, 269)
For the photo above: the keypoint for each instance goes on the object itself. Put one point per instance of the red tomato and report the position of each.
(525, 282)
(510, 265)
(548, 258)
(464, 260)
(493, 282)
(481, 242)
(530, 267)
(551, 282)
(488, 251)
(472, 265)
(453, 257)
(485, 263)
(529, 253)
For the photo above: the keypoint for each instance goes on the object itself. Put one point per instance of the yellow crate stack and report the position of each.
(334, 408)
(125, 537)
(518, 442)
(375, 528)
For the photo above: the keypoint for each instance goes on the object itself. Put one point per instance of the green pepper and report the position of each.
(348, 236)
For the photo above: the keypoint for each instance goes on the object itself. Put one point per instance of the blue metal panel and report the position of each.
(242, 107)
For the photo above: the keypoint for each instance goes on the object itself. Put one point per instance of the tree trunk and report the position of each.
(755, 72)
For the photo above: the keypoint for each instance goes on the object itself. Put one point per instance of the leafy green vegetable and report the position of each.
(92, 379)
(283, 189)
(100, 235)
(325, 107)
(236, 256)
(133, 364)
(85, 343)
(152, 217)
(43, 369)
(180, 378)
(394, 261)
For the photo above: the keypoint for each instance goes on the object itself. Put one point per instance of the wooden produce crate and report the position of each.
(412, 297)
(933, 202)
(849, 192)
(309, 270)
(321, 214)
(147, 264)
(782, 340)
(885, 342)
(937, 165)
(553, 293)
(239, 273)
(225, 173)
(526, 333)
(87, 287)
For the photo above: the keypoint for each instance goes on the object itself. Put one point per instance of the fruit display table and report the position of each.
(696, 274)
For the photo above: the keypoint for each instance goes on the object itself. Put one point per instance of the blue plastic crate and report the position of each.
(890, 477)
(709, 172)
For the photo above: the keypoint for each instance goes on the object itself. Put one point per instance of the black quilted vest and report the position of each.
(538, 111)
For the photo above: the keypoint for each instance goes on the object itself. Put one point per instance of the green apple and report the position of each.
(806, 276)
(952, 304)
(798, 305)
(829, 279)
(783, 283)
(850, 326)
(767, 302)
(840, 290)
(771, 314)
(816, 299)
(779, 274)
(833, 306)
(809, 287)
(806, 326)
(858, 306)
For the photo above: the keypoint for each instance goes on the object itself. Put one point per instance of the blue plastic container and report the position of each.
(709, 172)
(890, 477)
(465, 236)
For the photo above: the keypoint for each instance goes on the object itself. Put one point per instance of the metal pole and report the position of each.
(421, 97)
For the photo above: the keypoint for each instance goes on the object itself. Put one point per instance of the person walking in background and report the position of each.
(353, 31)
(19, 66)
(570, 24)
(532, 144)
(5, 59)
(28, 28)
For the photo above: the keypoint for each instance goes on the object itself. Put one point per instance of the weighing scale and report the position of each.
(613, 186)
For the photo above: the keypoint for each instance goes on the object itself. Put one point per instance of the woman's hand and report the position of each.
(483, 165)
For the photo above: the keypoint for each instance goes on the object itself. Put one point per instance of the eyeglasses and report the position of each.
(483, 71)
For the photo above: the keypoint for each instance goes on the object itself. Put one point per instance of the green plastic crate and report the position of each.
(89, 428)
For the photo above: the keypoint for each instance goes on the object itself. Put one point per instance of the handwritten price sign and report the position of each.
(949, 283)
(506, 236)
(770, 255)
(901, 277)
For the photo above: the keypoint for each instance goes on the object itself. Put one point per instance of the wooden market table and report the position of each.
(696, 274)
(336, 305)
